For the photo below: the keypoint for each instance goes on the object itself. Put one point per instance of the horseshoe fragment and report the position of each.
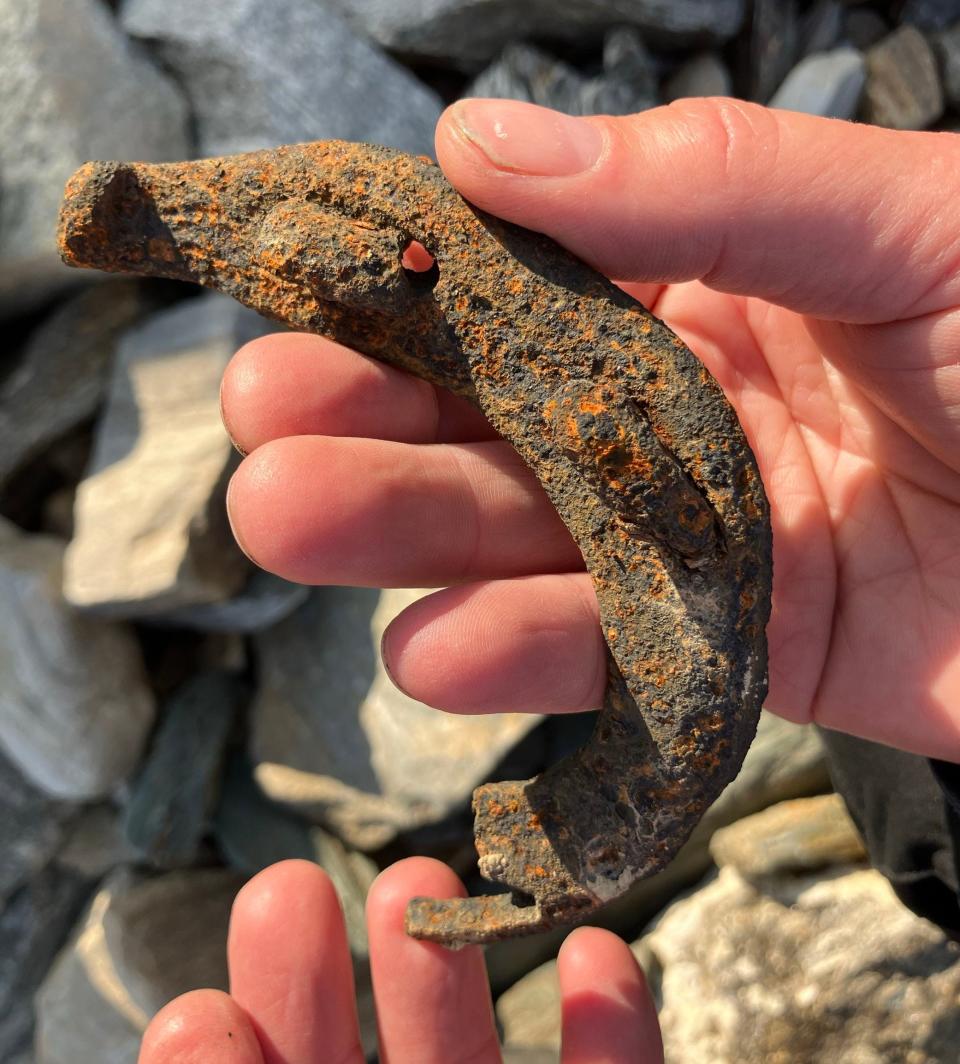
(629, 435)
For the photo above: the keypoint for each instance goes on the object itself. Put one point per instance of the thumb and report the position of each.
(841, 221)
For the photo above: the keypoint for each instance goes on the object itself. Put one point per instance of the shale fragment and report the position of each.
(629, 435)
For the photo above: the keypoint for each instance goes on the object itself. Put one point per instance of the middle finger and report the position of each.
(374, 513)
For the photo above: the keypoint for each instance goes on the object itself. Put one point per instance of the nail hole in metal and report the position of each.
(419, 265)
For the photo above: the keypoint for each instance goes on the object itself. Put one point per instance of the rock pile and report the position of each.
(173, 720)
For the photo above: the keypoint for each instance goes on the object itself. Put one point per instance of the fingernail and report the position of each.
(387, 663)
(233, 526)
(525, 139)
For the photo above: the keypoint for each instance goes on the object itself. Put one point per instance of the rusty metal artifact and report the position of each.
(628, 433)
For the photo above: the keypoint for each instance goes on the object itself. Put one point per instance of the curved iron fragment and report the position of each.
(629, 435)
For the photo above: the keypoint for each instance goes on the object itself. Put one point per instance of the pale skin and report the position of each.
(813, 267)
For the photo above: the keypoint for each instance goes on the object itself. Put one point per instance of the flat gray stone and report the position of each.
(32, 828)
(903, 84)
(68, 97)
(75, 709)
(947, 48)
(471, 34)
(258, 75)
(61, 375)
(151, 531)
(141, 943)
(821, 27)
(34, 923)
(773, 45)
(627, 85)
(95, 844)
(829, 85)
(263, 601)
(705, 74)
(333, 739)
(178, 784)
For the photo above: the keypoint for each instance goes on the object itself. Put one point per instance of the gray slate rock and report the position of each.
(32, 828)
(74, 706)
(62, 373)
(705, 74)
(333, 739)
(258, 75)
(34, 923)
(821, 27)
(903, 85)
(524, 72)
(177, 787)
(772, 46)
(96, 844)
(74, 89)
(864, 27)
(262, 602)
(930, 14)
(471, 34)
(151, 530)
(947, 47)
(829, 85)
(141, 943)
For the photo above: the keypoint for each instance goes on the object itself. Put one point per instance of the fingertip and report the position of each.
(276, 894)
(202, 1027)
(608, 1012)
(415, 876)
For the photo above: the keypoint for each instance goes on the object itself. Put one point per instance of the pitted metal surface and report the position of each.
(630, 436)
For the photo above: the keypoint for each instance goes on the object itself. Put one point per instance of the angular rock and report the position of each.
(947, 47)
(803, 835)
(178, 786)
(96, 844)
(785, 761)
(333, 738)
(821, 27)
(34, 923)
(62, 374)
(471, 34)
(829, 85)
(263, 601)
(903, 85)
(74, 706)
(31, 829)
(523, 72)
(705, 74)
(141, 943)
(773, 44)
(86, 93)
(151, 525)
(262, 75)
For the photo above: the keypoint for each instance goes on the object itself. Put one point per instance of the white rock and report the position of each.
(74, 706)
(151, 531)
(259, 75)
(903, 84)
(829, 85)
(74, 88)
(334, 739)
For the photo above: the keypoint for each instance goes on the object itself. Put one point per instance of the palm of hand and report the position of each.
(866, 521)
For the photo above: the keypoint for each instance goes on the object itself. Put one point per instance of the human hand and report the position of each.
(812, 266)
(292, 1001)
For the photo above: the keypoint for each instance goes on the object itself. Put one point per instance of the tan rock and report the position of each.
(151, 531)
